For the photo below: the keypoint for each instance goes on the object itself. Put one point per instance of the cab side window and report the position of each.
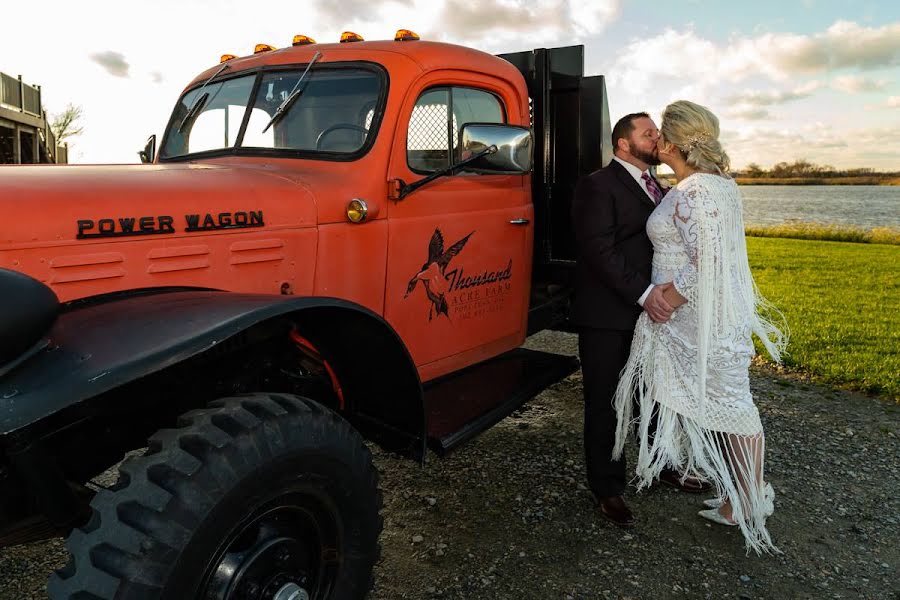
(432, 140)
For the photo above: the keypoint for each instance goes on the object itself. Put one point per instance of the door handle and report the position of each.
(519, 222)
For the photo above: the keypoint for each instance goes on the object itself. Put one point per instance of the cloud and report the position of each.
(834, 144)
(750, 114)
(758, 98)
(592, 16)
(338, 14)
(490, 25)
(643, 64)
(818, 143)
(843, 45)
(467, 20)
(847, 44)
(766, 146)
(891, 102)
(114, 63)
(854, 84)
(778, 57)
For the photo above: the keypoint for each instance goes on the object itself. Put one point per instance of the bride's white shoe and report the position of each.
(715, 516)
(768, 500)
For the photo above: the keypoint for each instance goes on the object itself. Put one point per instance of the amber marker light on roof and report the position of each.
(303, 40)
(227, 57)
(263, 48)
(349, 36)
(405, 35)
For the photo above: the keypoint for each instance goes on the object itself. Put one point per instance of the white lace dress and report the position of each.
(693, 371)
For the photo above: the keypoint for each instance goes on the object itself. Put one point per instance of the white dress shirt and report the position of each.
(637, 174)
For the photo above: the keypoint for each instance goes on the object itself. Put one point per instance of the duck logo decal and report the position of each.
(433, 273)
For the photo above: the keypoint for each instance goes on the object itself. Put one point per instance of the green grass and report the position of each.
(834, 233)
(842, 303)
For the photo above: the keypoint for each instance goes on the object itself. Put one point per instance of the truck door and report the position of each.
(459, 258)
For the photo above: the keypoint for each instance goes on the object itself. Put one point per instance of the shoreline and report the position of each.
(887, 180)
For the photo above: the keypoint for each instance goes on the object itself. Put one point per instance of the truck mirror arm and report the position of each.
(149, 152)
(401, 189)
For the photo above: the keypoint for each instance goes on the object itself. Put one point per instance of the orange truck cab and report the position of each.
(330, 243)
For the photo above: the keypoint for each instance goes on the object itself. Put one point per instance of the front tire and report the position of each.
(258, 497)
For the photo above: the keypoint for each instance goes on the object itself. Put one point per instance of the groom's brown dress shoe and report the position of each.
(615, 510)
(691, 485)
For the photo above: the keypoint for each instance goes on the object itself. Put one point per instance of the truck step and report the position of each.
(462, 405)
(32, 529)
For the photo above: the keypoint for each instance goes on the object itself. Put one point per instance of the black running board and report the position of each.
(26, 531)
(462, 405)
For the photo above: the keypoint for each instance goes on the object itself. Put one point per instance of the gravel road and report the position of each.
(509, 516)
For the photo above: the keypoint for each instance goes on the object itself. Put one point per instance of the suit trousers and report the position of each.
(603, 354)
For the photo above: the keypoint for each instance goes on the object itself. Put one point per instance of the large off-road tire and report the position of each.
(259, 497)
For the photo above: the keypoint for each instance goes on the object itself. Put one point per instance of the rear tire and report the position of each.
(256, 495)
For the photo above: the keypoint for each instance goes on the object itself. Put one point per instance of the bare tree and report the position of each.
(66, 124)
(753, 170)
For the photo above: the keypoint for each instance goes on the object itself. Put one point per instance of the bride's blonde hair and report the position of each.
(694, 130)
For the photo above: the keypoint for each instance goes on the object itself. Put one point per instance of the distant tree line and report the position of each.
(804, 168)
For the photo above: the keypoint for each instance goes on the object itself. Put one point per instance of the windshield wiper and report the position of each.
(295, 93)
(201, 98)
(198, 104)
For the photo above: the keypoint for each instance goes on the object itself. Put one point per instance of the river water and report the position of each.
(865, 206)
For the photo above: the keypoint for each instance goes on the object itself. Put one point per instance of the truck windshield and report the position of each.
(332, 115)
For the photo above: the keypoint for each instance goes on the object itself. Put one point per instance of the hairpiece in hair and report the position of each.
(694, 140)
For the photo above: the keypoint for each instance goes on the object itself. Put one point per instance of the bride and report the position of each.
(692, 372)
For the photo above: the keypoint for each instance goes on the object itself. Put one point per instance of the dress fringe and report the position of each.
(681, 442)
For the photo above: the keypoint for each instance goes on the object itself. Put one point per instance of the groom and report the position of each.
(612, 287)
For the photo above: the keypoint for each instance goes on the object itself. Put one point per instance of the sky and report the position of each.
(790, 79)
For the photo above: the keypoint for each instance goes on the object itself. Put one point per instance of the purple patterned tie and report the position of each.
(652, 187)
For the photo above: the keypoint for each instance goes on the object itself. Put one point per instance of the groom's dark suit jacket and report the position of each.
(609, 215)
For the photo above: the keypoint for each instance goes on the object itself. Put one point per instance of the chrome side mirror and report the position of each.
(149, 152)
(514, 148)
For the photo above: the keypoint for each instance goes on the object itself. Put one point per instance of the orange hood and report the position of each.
(57, 204)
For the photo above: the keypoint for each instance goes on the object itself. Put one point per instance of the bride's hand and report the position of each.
(672, 296)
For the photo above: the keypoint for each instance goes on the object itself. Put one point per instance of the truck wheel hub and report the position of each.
(292, 591)
(276, 555)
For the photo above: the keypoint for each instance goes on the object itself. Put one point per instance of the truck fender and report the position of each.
(27, 310)
(95, 348)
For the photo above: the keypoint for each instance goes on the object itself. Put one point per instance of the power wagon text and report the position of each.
(123, 226)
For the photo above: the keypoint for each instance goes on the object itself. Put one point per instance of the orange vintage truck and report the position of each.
(334, 242)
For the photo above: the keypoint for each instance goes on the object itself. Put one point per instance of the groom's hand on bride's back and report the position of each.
(656, 305)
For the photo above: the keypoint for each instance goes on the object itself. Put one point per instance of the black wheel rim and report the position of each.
(288, 543)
